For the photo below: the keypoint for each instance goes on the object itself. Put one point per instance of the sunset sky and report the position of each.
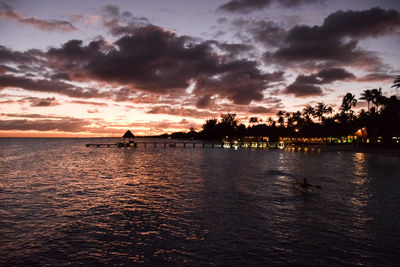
(96, 68)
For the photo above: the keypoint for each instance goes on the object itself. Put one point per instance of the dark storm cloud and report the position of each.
(9, 56)
(204, 101)
(125, 94)
(7, 12)
(246, 6)
(235, 50)
(242, 83)
(307, 85)
(336, 40)
(48, 86)
(152, 59)
(268, 33)
(157, 61)
(325, 76)
(4, 69)
(303, 90)
(73, 54)
(60, 76)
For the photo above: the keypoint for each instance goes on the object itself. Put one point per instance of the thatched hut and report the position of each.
(128, 137)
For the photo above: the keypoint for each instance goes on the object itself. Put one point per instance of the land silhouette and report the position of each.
(380, 121)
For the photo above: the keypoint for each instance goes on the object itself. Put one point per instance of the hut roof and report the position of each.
(128, 134)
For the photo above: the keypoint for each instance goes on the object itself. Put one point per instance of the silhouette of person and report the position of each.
(305, 184)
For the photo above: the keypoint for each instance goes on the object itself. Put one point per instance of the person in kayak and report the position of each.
(305, 184)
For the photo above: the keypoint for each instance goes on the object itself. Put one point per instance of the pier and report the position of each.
(128, 141)
(159, 144)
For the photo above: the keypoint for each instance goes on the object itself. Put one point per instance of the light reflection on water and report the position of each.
(62, 203)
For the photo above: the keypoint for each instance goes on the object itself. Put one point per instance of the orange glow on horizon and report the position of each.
(116, 133)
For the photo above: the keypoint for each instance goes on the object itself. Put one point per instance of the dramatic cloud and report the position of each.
(150, 69)
(157, 61)
(235, 50)
(326, 76)
(246, 6)
(204, 101)
(307, 85)
(336, 40)
(7, 12)
(10, 56)
(303, 90)
(242, 84)
(268, 33)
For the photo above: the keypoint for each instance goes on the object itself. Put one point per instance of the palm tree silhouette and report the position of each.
(349, 100)
(368, 96)
(308, 111)
(396, 82)
(253, 120)
(377, 100)
(297, 117)
(280, 119)
(271, 122)
(321, 109)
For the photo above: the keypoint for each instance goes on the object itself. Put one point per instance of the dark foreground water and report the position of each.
(64, 204)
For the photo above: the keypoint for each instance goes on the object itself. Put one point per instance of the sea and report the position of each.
(65, 204)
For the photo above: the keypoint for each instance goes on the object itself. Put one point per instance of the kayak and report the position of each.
(302, 189)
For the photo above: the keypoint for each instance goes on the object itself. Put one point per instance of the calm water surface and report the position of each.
(64, 204)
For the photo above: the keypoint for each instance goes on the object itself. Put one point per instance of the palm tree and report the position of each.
(308, 111)
(368, 96)
(297, 117)
(377, 100)
(280, 119)
(289, 121)
(253, 120)
(349, 101)
(321, 109)
(396, 82)
(270, 121)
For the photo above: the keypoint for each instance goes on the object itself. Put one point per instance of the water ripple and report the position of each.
(64, 204)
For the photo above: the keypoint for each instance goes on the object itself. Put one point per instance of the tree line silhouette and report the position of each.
(381, 119)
